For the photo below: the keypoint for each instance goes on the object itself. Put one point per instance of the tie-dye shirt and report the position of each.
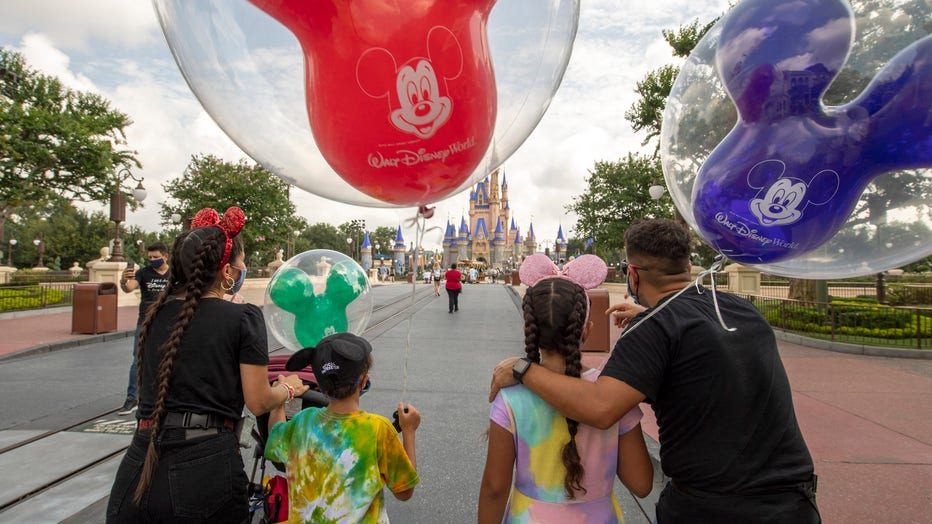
(537, 493)
(337, 465)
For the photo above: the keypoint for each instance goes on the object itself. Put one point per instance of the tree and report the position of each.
(55, 142)
(325, 236)
(385, 237)
(265, 199)
(616, 195)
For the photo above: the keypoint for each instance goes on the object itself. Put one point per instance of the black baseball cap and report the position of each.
(339, 360)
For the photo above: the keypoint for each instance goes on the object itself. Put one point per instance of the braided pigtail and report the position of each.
(203, 272)
(531, 329)
(570, 349)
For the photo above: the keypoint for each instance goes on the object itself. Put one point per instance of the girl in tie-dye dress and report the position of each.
(542, 467)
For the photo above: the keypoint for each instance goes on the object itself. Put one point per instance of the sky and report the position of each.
(117, 49)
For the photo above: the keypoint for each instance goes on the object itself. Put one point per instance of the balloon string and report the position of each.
(714, 268)
(419, 222)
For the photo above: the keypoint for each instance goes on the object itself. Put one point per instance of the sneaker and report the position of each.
(128, 407)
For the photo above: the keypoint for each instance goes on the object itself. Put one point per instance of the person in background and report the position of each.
(201, 359)
(454, 287)
(563, 471)
(339, 458)
(151, 280)
(730, 441)
(437, 276)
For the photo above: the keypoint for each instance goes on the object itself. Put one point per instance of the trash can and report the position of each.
(94, 308)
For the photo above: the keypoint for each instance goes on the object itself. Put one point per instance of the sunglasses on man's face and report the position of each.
(625, 265)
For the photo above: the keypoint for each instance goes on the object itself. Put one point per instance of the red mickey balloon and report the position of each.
(400, 95)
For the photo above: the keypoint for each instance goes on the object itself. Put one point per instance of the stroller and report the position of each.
(270, 495)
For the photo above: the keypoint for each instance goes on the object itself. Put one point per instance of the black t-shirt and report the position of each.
(206, 377)
(151, 285)
(722, 399)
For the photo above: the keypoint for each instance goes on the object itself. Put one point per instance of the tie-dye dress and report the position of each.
(537, 494)
(337, 465)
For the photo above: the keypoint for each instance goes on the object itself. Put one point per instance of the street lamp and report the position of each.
(40, 246)
(9, 261)
(349, 242)
(118, 209)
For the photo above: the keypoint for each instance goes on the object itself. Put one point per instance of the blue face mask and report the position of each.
(156, 263)
(239, 281)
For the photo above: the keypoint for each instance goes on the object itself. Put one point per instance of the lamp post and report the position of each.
(118, 209)
(357, 225)
(9, 261)
(40, 246)
(349, 242)
(141, 250)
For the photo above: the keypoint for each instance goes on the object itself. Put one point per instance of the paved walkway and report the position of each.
(867, 420)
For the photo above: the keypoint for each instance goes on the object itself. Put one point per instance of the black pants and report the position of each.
(791, 506)
(454, 296)
(197, 480)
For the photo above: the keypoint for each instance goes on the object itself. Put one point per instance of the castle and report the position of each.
(491, 237)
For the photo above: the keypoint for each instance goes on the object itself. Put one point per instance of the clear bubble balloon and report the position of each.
(315, 294)
(790, 155)
(390, 103)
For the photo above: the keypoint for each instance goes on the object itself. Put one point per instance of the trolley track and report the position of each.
(385, 315)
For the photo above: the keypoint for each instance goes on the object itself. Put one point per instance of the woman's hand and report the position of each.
(294, 381)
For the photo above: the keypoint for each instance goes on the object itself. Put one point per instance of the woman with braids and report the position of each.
(201, 358)
(563, 471)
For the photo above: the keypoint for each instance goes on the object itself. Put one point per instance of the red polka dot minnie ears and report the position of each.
(231, 224)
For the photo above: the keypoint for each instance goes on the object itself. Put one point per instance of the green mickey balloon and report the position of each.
(317, 315)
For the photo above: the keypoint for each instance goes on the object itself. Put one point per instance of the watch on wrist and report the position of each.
(520, 368)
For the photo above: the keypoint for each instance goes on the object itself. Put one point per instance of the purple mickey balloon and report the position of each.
(788, 175)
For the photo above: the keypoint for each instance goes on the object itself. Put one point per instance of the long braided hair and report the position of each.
(554, 318)
(195, 262)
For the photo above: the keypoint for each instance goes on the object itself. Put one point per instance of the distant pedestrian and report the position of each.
(151, 280)
(339, 458)
(437, 276)
(454, 287)
(201, 359)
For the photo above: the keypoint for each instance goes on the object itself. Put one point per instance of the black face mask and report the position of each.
(631, 292)
(157, 263)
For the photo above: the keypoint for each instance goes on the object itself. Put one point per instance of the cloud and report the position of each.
(116, 48)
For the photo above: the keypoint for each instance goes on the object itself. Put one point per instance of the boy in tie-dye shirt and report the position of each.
(338, 458)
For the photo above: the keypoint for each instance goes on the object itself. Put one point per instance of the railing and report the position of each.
(34, 290)
(875, 325)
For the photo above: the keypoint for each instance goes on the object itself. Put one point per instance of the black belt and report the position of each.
(194, 424)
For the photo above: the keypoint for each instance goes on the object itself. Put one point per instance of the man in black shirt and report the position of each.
(151, 280)
(730, 442)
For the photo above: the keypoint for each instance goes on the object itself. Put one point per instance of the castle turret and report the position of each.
(560, 245)
(530, 242)
(498, 245)
(366, 253)
(398, 252)
(462, 240)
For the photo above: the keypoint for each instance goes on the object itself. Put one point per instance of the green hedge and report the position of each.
(32, 298)
(851, 318)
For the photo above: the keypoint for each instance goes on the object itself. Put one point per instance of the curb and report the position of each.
(67, 344)
(852, 349)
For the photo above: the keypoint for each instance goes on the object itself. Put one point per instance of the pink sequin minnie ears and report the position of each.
(587, 271)
(231, 224)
